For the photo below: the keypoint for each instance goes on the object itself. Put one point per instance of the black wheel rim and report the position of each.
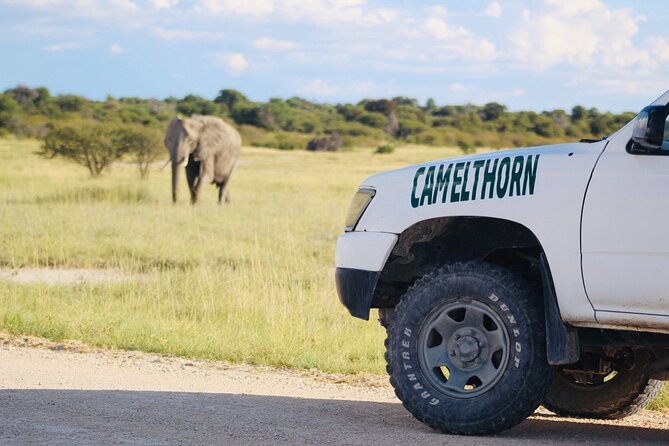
(463, 348)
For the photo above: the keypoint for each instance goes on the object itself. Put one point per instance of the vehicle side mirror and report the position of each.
(648, 133)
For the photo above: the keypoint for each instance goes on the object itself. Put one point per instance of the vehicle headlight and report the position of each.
(360, 201)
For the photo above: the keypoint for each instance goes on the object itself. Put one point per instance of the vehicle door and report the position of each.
(625, 225)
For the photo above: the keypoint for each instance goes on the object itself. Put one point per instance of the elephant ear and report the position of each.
(193, 127)
(212, 139)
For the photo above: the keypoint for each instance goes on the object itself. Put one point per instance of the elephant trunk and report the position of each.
(175, 180)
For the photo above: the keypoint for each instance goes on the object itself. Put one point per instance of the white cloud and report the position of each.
(235, 63)
(57, 47)
(328, 12)
(325, 12)
(269, 43)
(187, 34)
(458, 42)
(575, 7)
(441, 31)
(164, 4)
(115, 49)
(659, 48)
(458, 87)
(437, 11)
(347, 3)
(34, 3)
(494, 9)
(123, 4)
(627, 86)
(582, 33)
(237, 7)
(127, 12)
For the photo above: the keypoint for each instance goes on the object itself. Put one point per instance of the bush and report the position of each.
(26, 112)
(196, 105)
(143, 143)
(95, 146)
(373, 119)
(466, 146)
(385, 148)
(8, 107)
(71, 103)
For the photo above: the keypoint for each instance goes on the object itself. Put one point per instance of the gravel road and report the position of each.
(68, 394)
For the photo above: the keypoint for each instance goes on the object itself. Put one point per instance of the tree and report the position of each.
(578, 112)
(24, 96)
(250, 114)
(492, 111)
(144, 143)
(196, 105)
(70, 103)
(373, 119)
(8, 107)
(276, 113)
(95, 146)
(231, 98)
(402, 100)
(384, 106)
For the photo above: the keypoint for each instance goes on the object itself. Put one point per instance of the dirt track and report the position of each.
(66, 394)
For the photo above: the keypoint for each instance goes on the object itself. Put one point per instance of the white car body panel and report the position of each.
(364, 250)
(561, 180)
(626, 236)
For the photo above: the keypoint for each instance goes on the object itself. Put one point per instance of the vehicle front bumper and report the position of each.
(356, 288)
(360, 258)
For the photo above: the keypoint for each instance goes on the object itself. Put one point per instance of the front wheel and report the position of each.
(466, 351)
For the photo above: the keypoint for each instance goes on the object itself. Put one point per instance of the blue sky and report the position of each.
(537, 55)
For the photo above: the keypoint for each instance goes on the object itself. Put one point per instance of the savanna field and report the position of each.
(249, 282)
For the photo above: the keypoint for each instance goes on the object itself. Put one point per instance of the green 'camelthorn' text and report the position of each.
(475, 180)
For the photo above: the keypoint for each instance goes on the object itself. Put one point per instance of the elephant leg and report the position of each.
(192, 176)
(223, 192)
(205, 177)
(221, 186)
(193, 187)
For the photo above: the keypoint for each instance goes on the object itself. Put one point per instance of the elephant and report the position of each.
(208, 148)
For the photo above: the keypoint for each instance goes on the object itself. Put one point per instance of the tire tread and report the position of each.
(536, 388)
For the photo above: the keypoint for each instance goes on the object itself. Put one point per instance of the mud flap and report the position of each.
(562, 345)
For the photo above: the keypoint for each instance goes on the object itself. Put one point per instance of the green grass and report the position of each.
(249, 282)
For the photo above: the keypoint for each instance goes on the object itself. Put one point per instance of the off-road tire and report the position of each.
(522, 375)
(625, 394)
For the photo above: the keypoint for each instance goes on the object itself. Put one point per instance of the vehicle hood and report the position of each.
(388, 177)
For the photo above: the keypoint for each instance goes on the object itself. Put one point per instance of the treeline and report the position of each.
(291, 123)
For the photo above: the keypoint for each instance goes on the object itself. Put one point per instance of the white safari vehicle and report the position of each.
(519, 278)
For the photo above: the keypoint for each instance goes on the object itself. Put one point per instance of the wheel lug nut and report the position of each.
(482, 344)
(477, 361)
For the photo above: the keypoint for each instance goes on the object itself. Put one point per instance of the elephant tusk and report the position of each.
(166, 164)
